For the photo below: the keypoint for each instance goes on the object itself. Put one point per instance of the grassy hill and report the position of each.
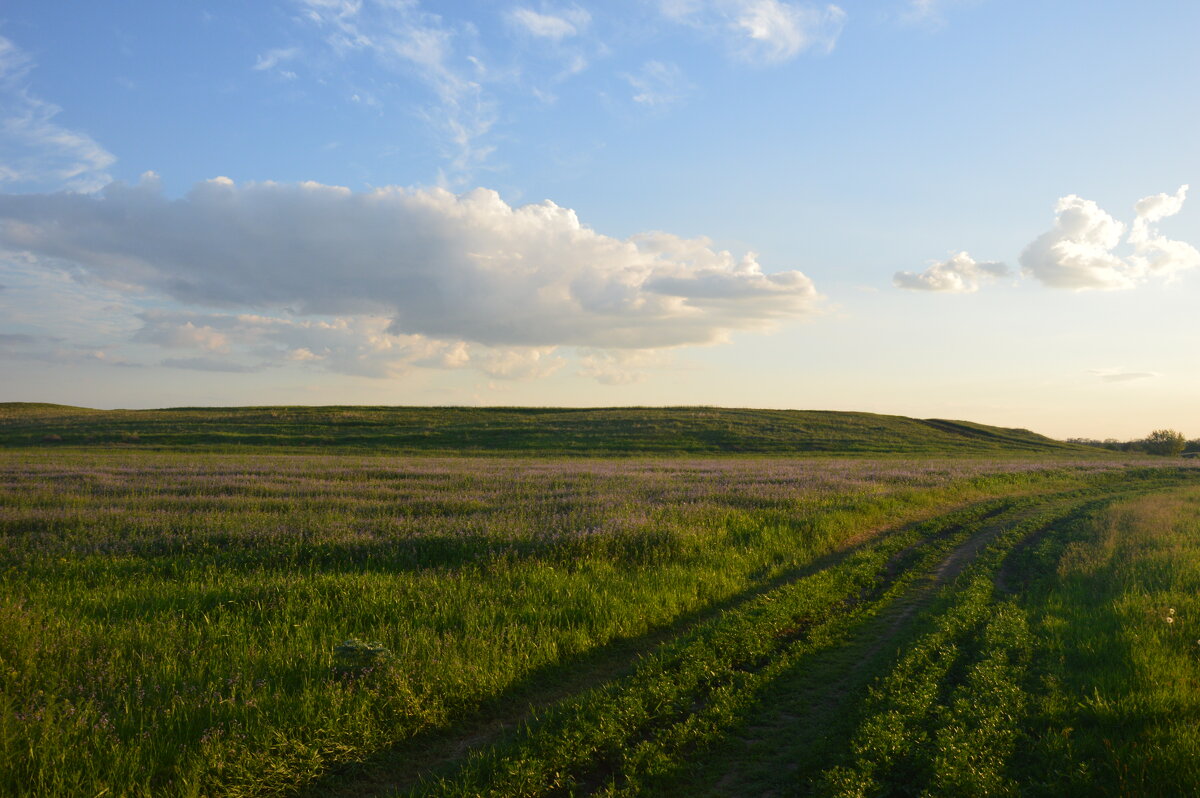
(605, 431)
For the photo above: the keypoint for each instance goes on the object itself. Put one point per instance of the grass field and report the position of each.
(551, 431)
(297, 622)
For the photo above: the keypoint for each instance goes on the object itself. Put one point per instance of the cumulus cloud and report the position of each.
(35, 150)
(451, 267)
(187, 335)
(359, 346)
(621, 367)
(1155, 254)
(763, 31)
(520, 363)
(1080, 251)
(555, 26)
(960, 274)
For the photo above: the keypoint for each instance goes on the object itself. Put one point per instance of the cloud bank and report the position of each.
(447, 267)
(1079, 253)
(961, 274)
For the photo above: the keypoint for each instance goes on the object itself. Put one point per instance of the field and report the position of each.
(512, 430)
(182, 616)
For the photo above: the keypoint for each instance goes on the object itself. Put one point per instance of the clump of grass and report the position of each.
(354, 657)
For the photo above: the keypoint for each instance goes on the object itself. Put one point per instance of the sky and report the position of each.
(966, 209)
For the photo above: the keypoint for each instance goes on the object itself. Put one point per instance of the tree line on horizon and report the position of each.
(1164, 442)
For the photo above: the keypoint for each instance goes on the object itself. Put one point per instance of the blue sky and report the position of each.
(966, 209)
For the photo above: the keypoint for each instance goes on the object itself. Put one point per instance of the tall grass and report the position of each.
(1118, 706)
(169, 624)
(1065, 666)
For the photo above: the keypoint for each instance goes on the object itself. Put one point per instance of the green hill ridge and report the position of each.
(514, 430)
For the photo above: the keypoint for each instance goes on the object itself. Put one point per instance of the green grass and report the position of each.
(286, 621)
(168, 623)
(602, 431)
(1115, 706)
(947, 718)
(1081, 683)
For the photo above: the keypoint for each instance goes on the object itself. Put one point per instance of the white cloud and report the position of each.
(1155, 254)
(550, 26)
(763, 31)
(1120, 375)
(273, 58)
(780, 31)
(658, 84)
(44, 296)
(402, 38)
(960, 274)
(520, 363)
(453, 268)
(923, 8)
(36, 151)
(358, 345)
(187, 335)
(622, 367)
(1079, 253)
(924, 11)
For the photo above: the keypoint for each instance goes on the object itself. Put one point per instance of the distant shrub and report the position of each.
(1165, 442)
(51, 438)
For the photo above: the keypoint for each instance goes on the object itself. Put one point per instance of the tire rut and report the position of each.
(392, 772)
(880, 633)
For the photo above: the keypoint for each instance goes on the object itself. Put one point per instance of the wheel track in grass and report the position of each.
(814, 709)
(816, 698)
(894, 569)
(395, 771)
